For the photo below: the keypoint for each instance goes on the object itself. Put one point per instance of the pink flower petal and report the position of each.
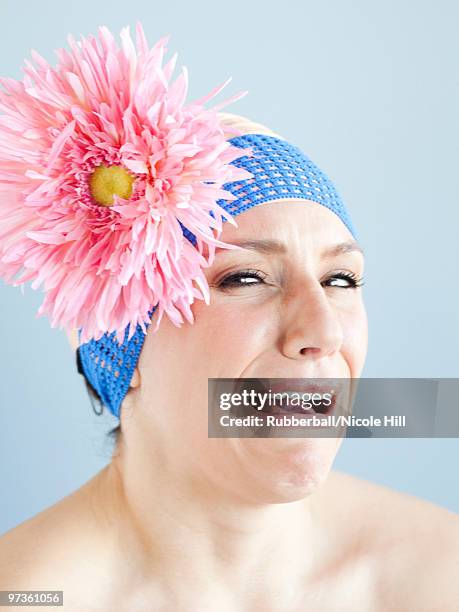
(102, 268)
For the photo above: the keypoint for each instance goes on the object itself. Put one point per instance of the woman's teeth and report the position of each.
(282, 405)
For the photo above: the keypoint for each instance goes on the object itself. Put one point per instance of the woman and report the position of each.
(100, 158)
(181, 521)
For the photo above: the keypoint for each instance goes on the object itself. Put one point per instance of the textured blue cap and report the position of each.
(280, 170)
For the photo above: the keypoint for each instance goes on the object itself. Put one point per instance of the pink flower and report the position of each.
(100, 159)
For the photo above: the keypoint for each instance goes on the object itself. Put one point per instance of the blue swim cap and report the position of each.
(281, 170)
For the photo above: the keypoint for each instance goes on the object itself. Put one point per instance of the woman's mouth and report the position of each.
(292, 396)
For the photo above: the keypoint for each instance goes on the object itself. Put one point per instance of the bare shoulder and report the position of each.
(412, 544)
(23, 546)
(26, 549)
(60, 548)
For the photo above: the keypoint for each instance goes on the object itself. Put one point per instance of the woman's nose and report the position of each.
(310, 327)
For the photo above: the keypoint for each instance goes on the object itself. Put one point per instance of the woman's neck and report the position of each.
(185, 534)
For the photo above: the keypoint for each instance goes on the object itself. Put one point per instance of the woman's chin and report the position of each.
(291, 469)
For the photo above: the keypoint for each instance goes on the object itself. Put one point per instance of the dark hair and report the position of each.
(96, 401)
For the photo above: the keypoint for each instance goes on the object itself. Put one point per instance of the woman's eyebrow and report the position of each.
(275, 246)
(263, 246)
(343, 247)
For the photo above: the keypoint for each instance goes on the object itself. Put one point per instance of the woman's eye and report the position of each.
(346, 280)
(250, 278)
(243, 278)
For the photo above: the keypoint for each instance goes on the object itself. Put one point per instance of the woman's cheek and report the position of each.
(234, 334)
(355, 338)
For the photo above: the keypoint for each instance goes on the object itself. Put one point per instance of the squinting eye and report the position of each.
(243, 278)
(345, 280)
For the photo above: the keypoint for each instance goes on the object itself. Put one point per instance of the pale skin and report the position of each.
(182, 522)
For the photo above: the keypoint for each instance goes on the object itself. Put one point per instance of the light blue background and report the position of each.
(369, 90)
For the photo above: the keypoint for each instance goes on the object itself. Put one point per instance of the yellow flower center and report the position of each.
(107, 181)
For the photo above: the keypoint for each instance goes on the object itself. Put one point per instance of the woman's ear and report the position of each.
(72, 336)
(135, 380)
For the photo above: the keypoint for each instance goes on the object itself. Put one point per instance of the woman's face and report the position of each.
(283, 307)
